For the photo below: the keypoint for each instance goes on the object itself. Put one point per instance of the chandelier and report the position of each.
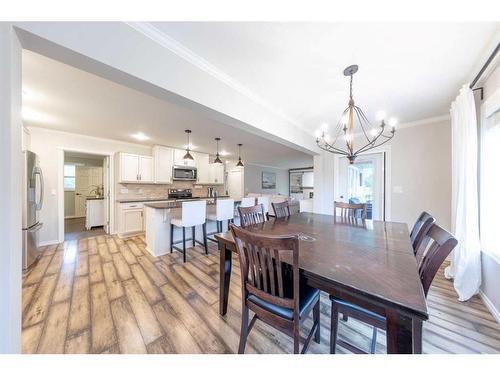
(347, 133)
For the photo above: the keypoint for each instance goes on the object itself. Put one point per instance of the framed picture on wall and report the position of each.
(268, 180)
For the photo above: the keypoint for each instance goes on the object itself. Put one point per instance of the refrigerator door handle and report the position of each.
(35, 227)
(38, 171)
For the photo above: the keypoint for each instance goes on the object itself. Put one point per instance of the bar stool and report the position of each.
(264, 201)
(224, 210)
(247, 202)
(193, 214)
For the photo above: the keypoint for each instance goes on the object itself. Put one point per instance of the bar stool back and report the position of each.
(264, 201)
(224, 210)
(193, 214)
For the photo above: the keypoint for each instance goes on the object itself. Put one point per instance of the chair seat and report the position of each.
(176, 221)
(358, 309)
(308, 297)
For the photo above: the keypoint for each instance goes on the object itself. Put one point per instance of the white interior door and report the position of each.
(235, 183)
(86, 180)
(105, 182)
(363, 182)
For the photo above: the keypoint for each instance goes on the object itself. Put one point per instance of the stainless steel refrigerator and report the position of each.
(32, 204)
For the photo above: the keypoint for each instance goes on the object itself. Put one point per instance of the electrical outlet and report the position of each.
(124, 190)
(140, 191)
(397, 189)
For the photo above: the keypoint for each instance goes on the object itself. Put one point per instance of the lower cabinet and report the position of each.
(130, 219)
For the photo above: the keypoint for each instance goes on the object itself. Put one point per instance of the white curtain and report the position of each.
(465, 268)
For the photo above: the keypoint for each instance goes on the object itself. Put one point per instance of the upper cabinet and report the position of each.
(163, 162)
(179, 155)
(216, 174)
(135, 168)
(202, 167)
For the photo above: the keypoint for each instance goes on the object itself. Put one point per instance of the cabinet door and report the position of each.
(203, 168)
(218, 173)
(146, 171)
(133, 221)
(129, 167)
(179, 155)
(164, 161)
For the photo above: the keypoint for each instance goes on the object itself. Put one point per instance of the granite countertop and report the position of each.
(94, 198)
(178, 203)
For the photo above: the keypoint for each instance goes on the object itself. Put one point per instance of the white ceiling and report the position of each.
(60, 97)
(412, 71)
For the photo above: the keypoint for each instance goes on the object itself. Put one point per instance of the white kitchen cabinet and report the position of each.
(216, 176)
(135, 168)
(179, 155)
(130, 218)
(163, 161)
(203, 167)
(94, 213)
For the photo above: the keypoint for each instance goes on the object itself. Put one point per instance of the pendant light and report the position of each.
(240, 163)
(188, 155)
(217, 158)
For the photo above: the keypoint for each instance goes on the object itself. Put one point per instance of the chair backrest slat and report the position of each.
(350, 209)
(434, 248)
(281, 209)
(251, 215)
(420, 229)
(265, 277)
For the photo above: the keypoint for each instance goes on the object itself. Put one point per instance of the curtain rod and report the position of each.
(486, 64)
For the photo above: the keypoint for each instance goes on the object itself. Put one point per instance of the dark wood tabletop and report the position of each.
(369, 262)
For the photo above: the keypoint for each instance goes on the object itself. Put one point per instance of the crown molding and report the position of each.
(196, 60)
(425, 121)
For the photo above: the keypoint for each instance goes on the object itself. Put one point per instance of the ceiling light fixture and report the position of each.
(188, 155)
(217, 158)
(240, 163)
(345, 132)
(140, 136)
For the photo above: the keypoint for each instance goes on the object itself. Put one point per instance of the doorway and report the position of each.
(86, 195)
(364, 181)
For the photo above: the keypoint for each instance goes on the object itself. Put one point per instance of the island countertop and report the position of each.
(178, 203)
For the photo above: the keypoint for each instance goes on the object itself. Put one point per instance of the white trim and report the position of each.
(490, 306)
(191, 57)
(47, 243)
(388, 176)
(60, 186)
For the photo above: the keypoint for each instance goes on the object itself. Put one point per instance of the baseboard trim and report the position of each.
(489, 305)
(47, 243)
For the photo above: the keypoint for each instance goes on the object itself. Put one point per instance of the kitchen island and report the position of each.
(158, 216)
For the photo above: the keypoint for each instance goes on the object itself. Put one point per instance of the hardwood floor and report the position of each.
(74, 229)
(107, 295)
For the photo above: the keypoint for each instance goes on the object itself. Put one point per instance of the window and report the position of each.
(490, 184)
(69, 177)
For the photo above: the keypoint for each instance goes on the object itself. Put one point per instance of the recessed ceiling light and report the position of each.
(140, 136)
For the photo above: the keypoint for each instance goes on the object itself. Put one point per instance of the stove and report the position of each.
(180, 194)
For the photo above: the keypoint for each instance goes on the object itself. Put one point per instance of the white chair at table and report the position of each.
(264, 201)
(247, 202)
(224, 210)
(193, 214)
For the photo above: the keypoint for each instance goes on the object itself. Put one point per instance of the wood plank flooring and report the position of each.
(107, 295)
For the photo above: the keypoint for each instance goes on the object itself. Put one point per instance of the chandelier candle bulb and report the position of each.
(354, 126)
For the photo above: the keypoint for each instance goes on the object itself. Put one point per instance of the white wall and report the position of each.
(421, 166)
(47, 144)
(253, 180)
(491, 264)
(11, 168)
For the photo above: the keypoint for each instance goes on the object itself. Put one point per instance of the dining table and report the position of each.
(369, 263)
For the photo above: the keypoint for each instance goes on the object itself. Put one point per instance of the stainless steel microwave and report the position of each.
(184, 173)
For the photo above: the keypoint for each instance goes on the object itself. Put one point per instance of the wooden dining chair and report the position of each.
(251, 215)
(350, 209)
(434, 248)
(421, 227)
(281, 209)
(272, 290)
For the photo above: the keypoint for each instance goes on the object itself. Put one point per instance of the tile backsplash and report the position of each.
(159, 191)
